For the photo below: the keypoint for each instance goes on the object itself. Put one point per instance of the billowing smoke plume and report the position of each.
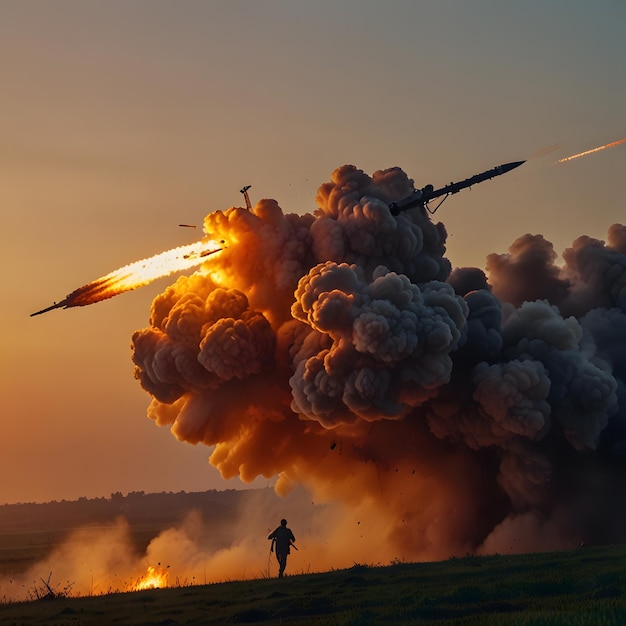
(455, 410)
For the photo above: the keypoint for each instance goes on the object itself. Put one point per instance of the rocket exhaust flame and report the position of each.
(586, 152)
(138, 274)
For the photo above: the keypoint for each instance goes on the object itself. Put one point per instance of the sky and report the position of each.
(120, 120)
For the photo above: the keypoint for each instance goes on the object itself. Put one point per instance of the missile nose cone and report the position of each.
(507, 167)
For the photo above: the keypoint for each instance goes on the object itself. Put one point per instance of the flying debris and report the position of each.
(244, 191)
(421, 197)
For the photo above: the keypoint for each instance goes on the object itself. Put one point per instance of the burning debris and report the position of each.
(453, 409)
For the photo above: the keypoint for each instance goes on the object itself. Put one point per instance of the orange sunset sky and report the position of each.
(120, 120)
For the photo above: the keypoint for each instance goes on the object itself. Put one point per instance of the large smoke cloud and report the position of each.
(463, 411)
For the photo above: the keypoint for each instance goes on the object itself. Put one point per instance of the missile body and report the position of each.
(421, 197)
(57, 305)
(196, 255)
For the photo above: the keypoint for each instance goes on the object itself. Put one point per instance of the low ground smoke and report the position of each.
(447, 410)
(200, 549)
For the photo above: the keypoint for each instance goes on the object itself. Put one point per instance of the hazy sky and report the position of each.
(119, 120)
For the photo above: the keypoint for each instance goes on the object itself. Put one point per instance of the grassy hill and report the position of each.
(585, 586)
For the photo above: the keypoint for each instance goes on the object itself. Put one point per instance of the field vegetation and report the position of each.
(584, 586)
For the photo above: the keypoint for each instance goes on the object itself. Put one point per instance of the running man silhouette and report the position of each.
(282, 540)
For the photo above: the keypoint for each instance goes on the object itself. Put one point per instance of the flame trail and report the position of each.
(586, 152)
(138, 274)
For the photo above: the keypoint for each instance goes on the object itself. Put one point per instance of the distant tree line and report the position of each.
(165, 508)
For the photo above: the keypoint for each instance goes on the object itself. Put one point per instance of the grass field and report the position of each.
(585, 586)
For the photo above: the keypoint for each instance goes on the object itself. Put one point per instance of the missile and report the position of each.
(57, 305)
(421, 197)
(135, 275)
(196, 255)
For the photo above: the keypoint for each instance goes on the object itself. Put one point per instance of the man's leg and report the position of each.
(282, 562)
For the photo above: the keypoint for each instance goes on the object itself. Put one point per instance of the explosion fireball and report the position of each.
(459, 411)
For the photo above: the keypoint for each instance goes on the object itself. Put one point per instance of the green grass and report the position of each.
(586, 586)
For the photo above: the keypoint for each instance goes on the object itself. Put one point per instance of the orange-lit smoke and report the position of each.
(229, 545)
(586, 152)
(446, 410)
